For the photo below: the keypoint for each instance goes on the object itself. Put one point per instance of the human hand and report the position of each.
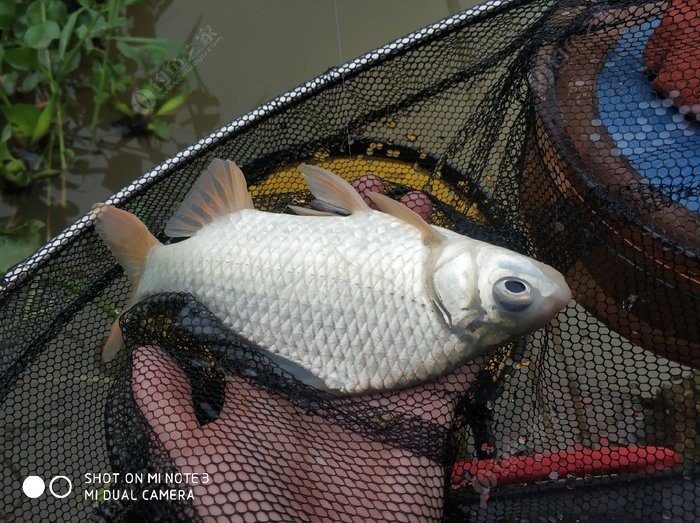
(269, 460)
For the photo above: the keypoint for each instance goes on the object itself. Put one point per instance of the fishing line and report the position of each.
(342, 75)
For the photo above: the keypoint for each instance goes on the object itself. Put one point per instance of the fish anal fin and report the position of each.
(334, 192)
(219, 191)
(397, 209)
(114, 343)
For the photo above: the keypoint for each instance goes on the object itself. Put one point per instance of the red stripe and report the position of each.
(539, 467)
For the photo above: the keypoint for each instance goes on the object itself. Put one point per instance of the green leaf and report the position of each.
(21, 58)
(172, 104)
(8, 14)
(41, 35)
(44, 60)
(160, 128)
(82, 30)
(5, 154)
(101, 98)
(45, 173)
(56, 11)
(131, 52)
(8, 81)
(122, 107)
(6, 133)
(30, 82)
(67, 67)
(23, 118)
(99, 27)
(15, 172)
(119, 23)
(43, 123)
(96, 75)
(33, 13)
(67, 32)
(121, 83)
(19, 242)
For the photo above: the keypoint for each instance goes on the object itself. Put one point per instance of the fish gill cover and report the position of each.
(522, 124)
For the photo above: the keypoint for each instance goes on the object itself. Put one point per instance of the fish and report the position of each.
(363, 301)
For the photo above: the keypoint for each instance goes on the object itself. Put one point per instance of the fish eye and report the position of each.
(513, 294)
(515, 286)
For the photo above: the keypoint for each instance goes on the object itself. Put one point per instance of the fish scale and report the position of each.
(286, 269)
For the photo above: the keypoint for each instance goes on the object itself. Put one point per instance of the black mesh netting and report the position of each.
(551, 128)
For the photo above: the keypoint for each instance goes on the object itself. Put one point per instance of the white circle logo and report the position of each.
(53, 492)
(33, 486)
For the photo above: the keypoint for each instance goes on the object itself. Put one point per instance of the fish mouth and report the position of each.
(561, 295)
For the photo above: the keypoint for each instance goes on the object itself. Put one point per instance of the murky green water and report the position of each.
(263, 48)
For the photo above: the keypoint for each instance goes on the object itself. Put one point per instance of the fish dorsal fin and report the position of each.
(305, 211)
(219, 191)
(397, 209)
(334, 193)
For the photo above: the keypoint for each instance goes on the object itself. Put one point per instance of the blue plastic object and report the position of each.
(641, 124)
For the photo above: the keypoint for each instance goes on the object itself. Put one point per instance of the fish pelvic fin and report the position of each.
(130, 242)
(303, 211)
(397, 209)
(334, 193)
(220, 190)
(114, 343)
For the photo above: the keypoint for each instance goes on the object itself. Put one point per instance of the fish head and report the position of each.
(488, 294)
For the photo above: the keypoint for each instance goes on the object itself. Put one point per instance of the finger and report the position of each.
(246, 401)
(164, 396)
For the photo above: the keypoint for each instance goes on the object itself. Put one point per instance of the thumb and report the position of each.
(163, 395)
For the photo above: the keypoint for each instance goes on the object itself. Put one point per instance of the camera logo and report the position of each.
(59, 486)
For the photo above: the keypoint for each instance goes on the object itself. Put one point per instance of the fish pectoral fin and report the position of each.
(444, 313)
(397, 209)
(298, 371)
(429, 271)
(219, 191)
(334, 193)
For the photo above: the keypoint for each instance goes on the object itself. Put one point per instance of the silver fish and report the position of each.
(350, 304)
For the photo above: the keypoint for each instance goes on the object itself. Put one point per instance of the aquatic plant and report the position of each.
(52, 55)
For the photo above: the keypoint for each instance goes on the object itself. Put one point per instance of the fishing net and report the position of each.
(551, 128)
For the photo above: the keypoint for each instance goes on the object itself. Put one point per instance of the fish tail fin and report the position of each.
(130, 242)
